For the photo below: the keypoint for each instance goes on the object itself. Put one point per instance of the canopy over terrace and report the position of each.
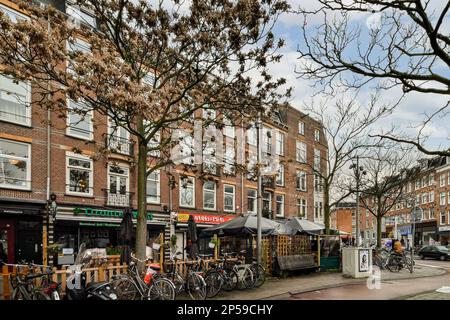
(303, 225)
(245, 224)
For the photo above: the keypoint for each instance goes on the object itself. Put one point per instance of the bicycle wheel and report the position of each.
(196, 286)
(162, 289)
(259, 275)
(125, 288)
(246, 280)
(393, 265)
(213, 281)
(230, 280)
(39, 295)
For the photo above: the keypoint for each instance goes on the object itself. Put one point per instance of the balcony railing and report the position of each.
(115, 198)
(119, 145)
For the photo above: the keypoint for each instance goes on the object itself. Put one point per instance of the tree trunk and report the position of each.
(326, 208)
(141, 227)
(379, 231)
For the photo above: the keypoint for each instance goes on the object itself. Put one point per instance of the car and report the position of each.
(435, 252)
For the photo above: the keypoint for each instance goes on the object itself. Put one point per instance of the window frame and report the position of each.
(127, 176)
(192, 185)
(209, 191)
(280, 175)
(27, 105)
(279, 138)
(225, 194)
(254, 200)
(277, 202)
(301, 174)
(158, 188)
(316, 135)
(301, 128)
(91, 124)
(72, 155)
(28, 171)
(299, 151)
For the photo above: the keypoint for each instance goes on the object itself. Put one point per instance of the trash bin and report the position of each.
(356, 262)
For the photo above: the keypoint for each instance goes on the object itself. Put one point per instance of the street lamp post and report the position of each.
(357, 171)
(260, 202)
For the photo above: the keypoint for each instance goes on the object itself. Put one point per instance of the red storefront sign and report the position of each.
(204, 218)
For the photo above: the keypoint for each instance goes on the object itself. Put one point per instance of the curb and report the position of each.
(413, 295)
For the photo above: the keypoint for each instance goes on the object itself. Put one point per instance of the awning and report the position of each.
(303, 225)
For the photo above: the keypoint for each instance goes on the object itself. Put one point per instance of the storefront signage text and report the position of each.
(90, 212)
(204, 218)
(99, 224)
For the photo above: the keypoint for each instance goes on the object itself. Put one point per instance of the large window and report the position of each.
(267, 204)
(301, 208)
(280, 205)
(187, 148)
(280, 176)
(228, 198)
(153, 187)
(118, 191)
(431, 197)
(301, 128)
(280, 143)
(300, 153)
(187, 192)
(79, 121)
(15, 166)
(316, 135)
(267, 141)
(442, 180)
(301, 180)
(118, 138)
(79, 174)
(317, 159)
(228, 129)
(443, 218)
(252, 135)
(229, 167)
(442, 199)
(251, 201)
(15, 99)
(209, 195)
(81, 14)
(318, 211)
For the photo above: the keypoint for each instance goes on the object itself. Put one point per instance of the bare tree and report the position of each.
(346, 125)
(149, 66)
(406, 43)
(388, 169)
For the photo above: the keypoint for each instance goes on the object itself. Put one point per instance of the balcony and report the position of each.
(119, 145)
(115, 198)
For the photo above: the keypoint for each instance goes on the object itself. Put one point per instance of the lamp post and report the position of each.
(260, 202)
(416, 212)
(357, 170)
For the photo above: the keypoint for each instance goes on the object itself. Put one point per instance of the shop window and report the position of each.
(15, 166)
(79, 120)
(79, 175)
(209, 195)
(280, 205)
(153, 187)
(251, 201)
(15, 99)
(187, 192)
(228, 198)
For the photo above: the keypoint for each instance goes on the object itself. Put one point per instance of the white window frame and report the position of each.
(431, 196)
(425, 197)
(277, 202)
(225, 194)
(279, 147)
(205, 191)
(317, 159)
(91, 124)
(228, 129)
(266, 143)
(127, 176)
(74, 11)
(302, 203)
(155, 141)
(443, 215)
(301, 151)
(316, 135)
(27, 160)
(252, 135)
(230, 155)
(301, 128)
(191, 185)
(13, 14)
(27, 102)
(302, 175)
(116, 134)
(442, 180)
(442, 198)
(280, 175)
(149, 198)
(72, 155)
(254, 200)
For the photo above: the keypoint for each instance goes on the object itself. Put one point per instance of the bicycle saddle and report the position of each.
(155, 266)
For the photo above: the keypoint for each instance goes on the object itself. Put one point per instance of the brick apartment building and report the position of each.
(92, 189)
(343, 217)
(431, 192)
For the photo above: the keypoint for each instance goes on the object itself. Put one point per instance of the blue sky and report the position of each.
(405, 118)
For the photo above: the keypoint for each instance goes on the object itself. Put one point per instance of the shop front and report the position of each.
(203, 221)
(21, 231)
(425, 233)
(444, 235)
(98, 228)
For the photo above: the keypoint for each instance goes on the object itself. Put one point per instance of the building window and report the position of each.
(432, 216)
(409, 187)
(442, 199)
(251, 201)
(267, 141)
(424, 181)
(229, 159)
(209, 114)
(424, 197)
(442, 180)
(431, 197)
(301, 180)
(252, 135)
(417, 199)
(417, 184)
(448, 180)
(154, 187)
(316, 135)
(15, 166)
(301, 208)
(79, 121)
(301, 128)
(81, 14)
(300, 153)
(15, 101)
(79, 175)
(118, 138)
(280, 205)
(431, 179)
(154, 145)
(228, 129)
(316, 159)
(443, 218)
(187, 192)
(228, 198)
(186, 148)
(318, 211)
(267, 204)
(209, 195)
(280, 176)
(317, 183)
(118, 186)
(280, 143)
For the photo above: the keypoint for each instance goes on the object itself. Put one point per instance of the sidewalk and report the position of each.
(433, 295)
(284, 288)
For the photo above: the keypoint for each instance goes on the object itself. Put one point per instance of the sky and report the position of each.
(405, 118)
